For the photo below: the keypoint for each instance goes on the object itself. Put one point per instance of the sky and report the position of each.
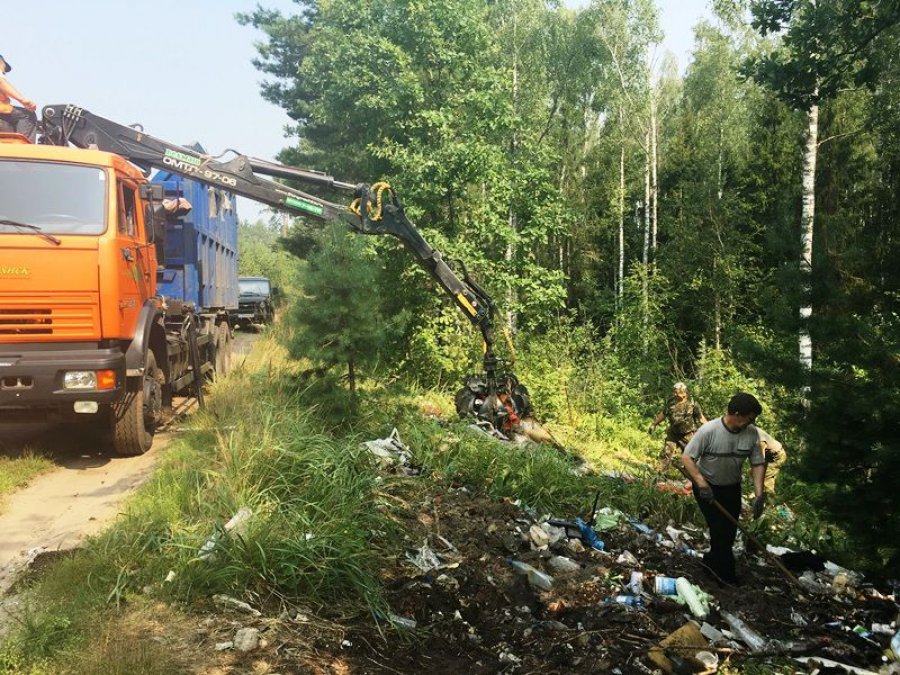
(183, 68)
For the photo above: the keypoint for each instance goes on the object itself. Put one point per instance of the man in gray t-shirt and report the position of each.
(714, 459)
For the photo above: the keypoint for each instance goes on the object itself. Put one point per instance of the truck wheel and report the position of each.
(134, 420)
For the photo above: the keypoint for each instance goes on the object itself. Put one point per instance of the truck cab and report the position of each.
(77, 268)
(256, 302)
(85, 334)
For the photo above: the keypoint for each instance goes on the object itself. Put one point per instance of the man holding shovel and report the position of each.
(714, 459)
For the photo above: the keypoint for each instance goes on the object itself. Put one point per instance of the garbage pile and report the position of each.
(488, 586)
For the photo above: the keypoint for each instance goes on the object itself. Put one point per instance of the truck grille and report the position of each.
(59, 317)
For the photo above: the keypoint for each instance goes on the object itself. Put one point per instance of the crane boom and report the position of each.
(376, 209)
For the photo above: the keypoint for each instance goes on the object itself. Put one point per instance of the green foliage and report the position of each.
(336, 321)
(259, 255)
(558, 369)
(505, 127)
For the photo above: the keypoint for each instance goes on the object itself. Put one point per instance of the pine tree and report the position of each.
(337, 320)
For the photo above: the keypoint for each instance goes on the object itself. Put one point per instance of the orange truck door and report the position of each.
(134, 286)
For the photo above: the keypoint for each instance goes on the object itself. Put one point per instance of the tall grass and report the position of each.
(256, 445)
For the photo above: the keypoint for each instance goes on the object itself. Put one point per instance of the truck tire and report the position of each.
(134, 420)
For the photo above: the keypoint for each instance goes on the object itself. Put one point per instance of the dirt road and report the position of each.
(59, 509)
(78, 499)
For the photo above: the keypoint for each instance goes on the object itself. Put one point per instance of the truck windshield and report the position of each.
(254, 286)
(57, 198)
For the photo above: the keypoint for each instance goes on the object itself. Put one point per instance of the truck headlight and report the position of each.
(80, 379)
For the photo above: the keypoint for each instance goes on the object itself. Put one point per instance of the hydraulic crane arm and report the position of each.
(376, 209)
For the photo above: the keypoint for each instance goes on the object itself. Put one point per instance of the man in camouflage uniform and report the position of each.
(775, 455)
(685, 417)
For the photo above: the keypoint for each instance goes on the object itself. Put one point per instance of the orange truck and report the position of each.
(84, 334)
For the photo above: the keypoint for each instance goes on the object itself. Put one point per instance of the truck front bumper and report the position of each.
(32, 378)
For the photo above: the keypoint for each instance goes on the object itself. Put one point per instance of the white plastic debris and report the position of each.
(425, 559)
(828, 663)
(556, 534)
(227, 602)
(778, 550)
(509, 657)
(627, 558)
(748, 636)
(237, 525)
(561, 564)
(389, 451)
(693, 597)
(246, 639)
(222, 646)
(538, 536)
(713, 634)
(402, 622)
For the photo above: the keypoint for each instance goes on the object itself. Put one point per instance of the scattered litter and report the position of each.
(627, 558)
(539, 537)
(664, 585)
(425, 559)
(447, 582)
(509, 657)
(747, 635)
(694, 597)
(589, 536)
(820, 662)
(684, 643)
(710, 660)
(636, 583)
(630, 600)
(222, 646)
(170, 577)
(713, 634)
(607, 519)
(561, 564)
(536, 578)
(390, 452)
(402, 622)
(640, 527)
(236, 525)
(227, 602)
(486, 428)
(246, 639)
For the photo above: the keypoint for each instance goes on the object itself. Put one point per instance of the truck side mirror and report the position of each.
(276, 291)
(152, 192)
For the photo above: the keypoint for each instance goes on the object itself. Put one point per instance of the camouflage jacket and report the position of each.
(683, 416)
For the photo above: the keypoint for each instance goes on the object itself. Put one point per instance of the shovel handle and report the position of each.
(734, 521)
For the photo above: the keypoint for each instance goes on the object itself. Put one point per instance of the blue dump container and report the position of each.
(200, 262)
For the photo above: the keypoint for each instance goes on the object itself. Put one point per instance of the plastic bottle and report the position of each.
(895, 644)
(630, 600)
(536, 578)
(640, 527)
(636, 583)
(750, 637)
(664, 585)
(689, 595)
(590, 537)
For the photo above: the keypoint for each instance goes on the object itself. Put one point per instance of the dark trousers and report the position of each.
(22, 122)
(722, 532)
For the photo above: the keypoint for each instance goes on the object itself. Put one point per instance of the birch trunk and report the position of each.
(807, 219)
(510, 253)
(654, 162)
(620, 289)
